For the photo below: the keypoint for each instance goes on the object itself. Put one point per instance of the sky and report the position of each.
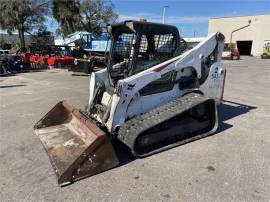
(190, 16)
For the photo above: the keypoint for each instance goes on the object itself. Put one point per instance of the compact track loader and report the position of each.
(152, 96)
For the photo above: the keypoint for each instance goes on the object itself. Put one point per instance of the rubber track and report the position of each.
(131, 129)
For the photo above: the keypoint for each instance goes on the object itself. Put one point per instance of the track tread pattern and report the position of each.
(131, 129)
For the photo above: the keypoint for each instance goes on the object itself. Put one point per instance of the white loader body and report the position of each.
(126, 101)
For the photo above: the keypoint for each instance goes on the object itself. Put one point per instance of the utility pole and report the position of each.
(164, 13)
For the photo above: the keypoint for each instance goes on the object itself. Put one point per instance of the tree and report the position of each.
(22, 15)
(15, 46)
(84, 15)
(67, 14)
(2, 43)
(95, 15)
(43, 37)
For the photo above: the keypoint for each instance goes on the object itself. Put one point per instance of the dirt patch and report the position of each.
(211, 168)
(166, 195)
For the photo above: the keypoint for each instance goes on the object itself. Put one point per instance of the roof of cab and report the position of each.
(141, 27)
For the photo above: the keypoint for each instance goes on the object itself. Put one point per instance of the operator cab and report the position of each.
(139, 45)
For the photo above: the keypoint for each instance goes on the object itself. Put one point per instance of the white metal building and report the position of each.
(248, 32)
(193, 41)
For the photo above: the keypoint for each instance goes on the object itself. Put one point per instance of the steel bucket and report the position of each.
(77, 148)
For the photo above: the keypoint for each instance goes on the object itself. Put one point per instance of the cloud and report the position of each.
(170, 19)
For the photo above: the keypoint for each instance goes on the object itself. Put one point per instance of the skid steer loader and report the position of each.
(152, 96)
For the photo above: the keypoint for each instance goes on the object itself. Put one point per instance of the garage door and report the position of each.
(244, 47)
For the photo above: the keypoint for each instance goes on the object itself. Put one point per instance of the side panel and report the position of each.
(213, 85)
(143, 104)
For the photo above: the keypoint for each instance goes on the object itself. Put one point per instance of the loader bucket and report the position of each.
(77, 148)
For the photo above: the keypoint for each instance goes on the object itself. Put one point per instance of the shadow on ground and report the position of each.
(11, 86)
(227, 111)
(15, 73)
